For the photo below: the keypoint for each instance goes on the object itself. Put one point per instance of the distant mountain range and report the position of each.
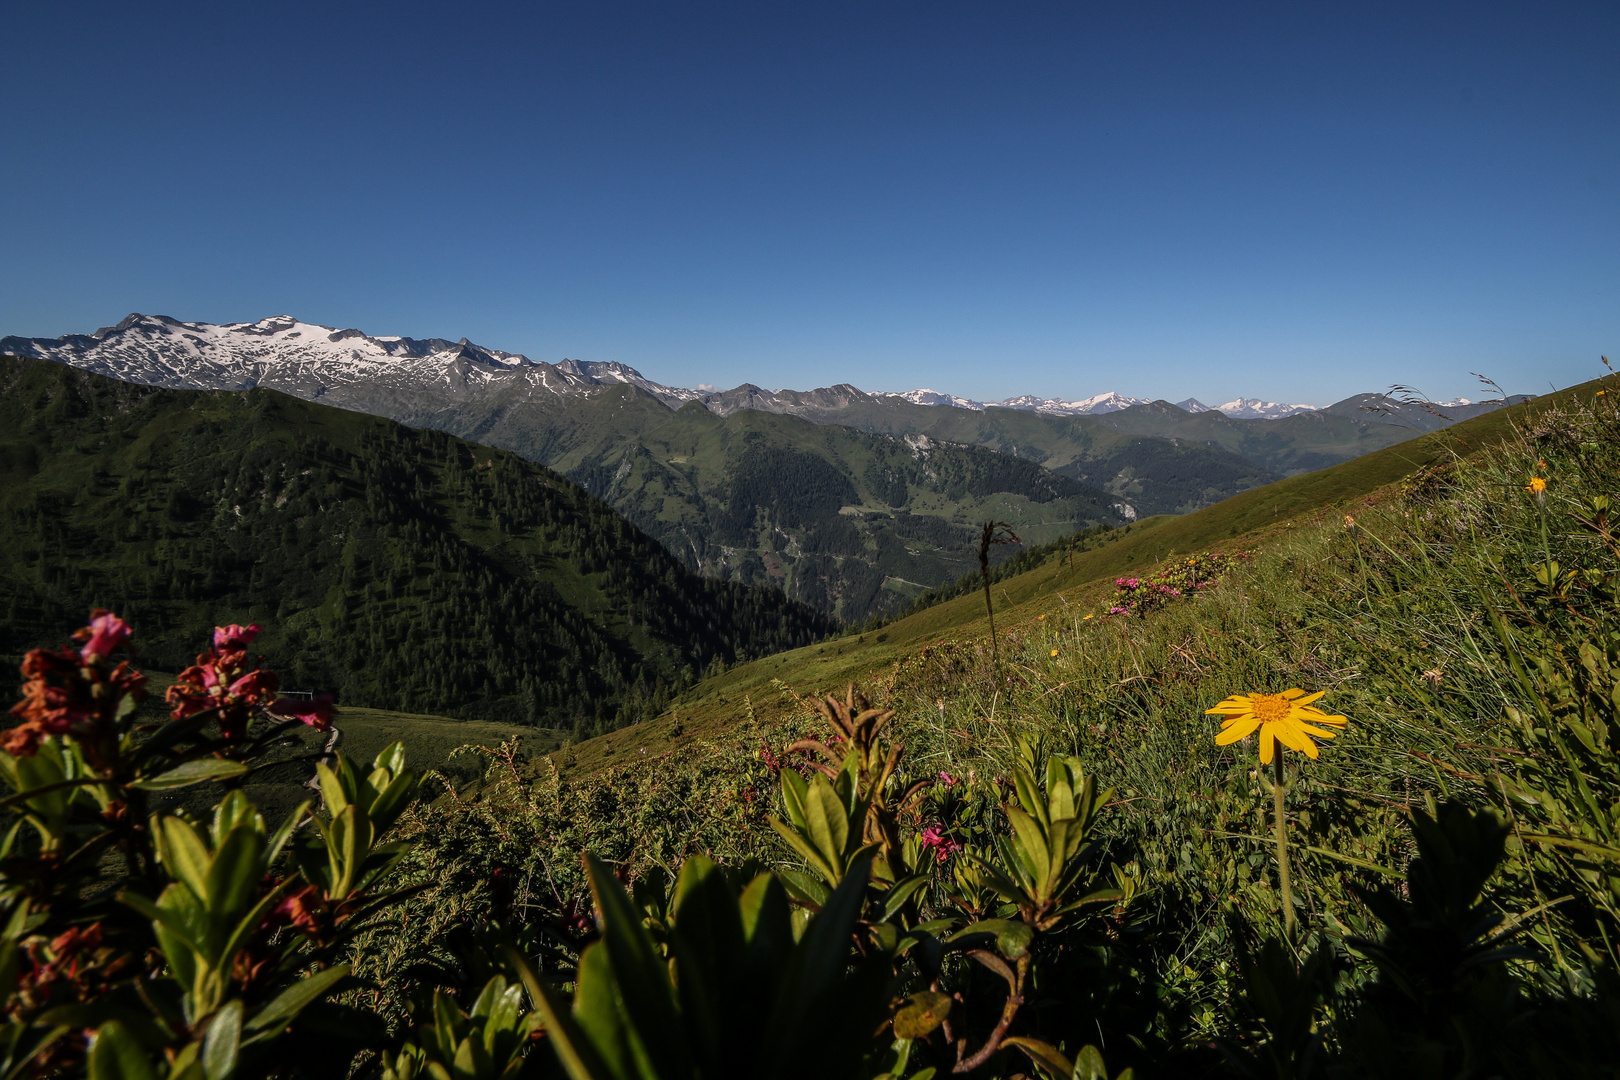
(298, 357)
(853, 501)
(1240, 409)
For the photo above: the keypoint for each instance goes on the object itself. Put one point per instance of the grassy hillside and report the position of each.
(1062, 585)
(1463, 632)
(400, 568)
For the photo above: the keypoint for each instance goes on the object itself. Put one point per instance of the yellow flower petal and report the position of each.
(1290, 736)
(1294, 693)
(1321, 733)
(1308, 698)
(1266, 747)
(1236, 731)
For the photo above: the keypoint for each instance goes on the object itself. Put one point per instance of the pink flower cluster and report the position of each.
(220, 680)
(78, 694)
(105, 633)
(1189, 577)
(934, 839)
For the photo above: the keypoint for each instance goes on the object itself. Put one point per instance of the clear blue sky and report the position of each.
(1294, 200)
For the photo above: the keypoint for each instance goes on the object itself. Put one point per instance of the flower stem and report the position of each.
(1278, 789)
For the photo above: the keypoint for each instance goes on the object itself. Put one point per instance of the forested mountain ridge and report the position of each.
(854, 523)
(401, 568)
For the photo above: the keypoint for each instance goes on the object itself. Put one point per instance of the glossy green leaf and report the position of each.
(286, 1006)
(184, 855)
(116, 1055)
(1012, 936)
(1046, 1057)
(223, 1042)
(192, 772)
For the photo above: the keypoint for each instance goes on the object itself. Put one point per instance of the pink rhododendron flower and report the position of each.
(233, 637)
(219, 681)
(317, 712)
(936, 841)
(105, 633)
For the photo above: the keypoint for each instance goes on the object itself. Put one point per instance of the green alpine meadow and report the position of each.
(347, 749)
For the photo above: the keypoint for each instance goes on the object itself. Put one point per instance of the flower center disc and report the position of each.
(1270, 707)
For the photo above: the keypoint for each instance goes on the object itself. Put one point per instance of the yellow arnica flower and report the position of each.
(1537, 485)
(1287, 718)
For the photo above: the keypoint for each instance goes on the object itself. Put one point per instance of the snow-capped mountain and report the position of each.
(414, 380)
(388, 375)
(1240, 409)
(934, 397)
(1091, 406)
(1255, 409)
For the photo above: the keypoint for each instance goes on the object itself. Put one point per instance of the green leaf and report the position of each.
(183, 853)
(1012, 936)
(284, 831)
(825, 814)
(392, 800)
(710, 954)
(818, 960)
(600, 1015)
(286, 1006)
(794, 793)
(1029, 846)
(903, 890)
(392, 758)
(767, 923)
(804, 888)
(233, 878)
(577, 1053)
(640, 974)
(192, 772)
(332, 789)
(1089, 1065)
(1046, 1057)
(923, 1012)
(115, 1055)
(352, 834)
(807, 851)
(223, 1041)
(1029, 796)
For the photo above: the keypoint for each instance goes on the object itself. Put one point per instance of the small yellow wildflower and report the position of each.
(1054, 652)
(1088, 617)
(1536, 486)
(1286, 718)
(1040, 616)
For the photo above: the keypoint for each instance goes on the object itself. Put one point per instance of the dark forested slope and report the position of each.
(402, 568)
